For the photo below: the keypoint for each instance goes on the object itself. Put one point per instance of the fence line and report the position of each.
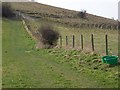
(82, 44)
(106, 41)
(92, 40)
(66, 40)
(81, 41)
(73, 41)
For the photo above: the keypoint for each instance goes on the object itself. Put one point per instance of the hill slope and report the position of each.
(63, 16)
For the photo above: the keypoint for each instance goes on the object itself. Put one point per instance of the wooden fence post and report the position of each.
(73, 41)
(82, 42)
(60, 41)
(66, 40)
(92, 40)
(106, 40)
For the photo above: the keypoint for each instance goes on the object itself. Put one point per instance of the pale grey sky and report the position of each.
(105, 8)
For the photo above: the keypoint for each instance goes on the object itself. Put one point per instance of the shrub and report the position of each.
(48, 36)
(7, 10)
(82, 14)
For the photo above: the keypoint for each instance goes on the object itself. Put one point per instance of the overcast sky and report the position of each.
(105, 8)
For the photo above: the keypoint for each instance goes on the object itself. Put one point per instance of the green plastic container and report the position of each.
(113, 60)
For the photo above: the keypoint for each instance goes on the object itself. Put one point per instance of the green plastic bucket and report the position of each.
(113, 60)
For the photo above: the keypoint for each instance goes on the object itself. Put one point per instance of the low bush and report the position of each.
(48, 36)
(82, 14)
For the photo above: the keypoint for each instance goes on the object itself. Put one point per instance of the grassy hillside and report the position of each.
(27, 67)
(67, 22)
(24, 66)
(62, 16)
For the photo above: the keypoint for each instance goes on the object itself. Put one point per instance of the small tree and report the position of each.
(7, 10)
(48, 36)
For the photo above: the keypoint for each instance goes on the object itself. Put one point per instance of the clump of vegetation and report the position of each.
(7, 10)
(48, 36)
(82, 14)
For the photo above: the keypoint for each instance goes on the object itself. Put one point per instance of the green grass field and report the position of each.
(27, 67)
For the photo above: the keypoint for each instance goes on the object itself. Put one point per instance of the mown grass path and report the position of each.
(23, 66)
